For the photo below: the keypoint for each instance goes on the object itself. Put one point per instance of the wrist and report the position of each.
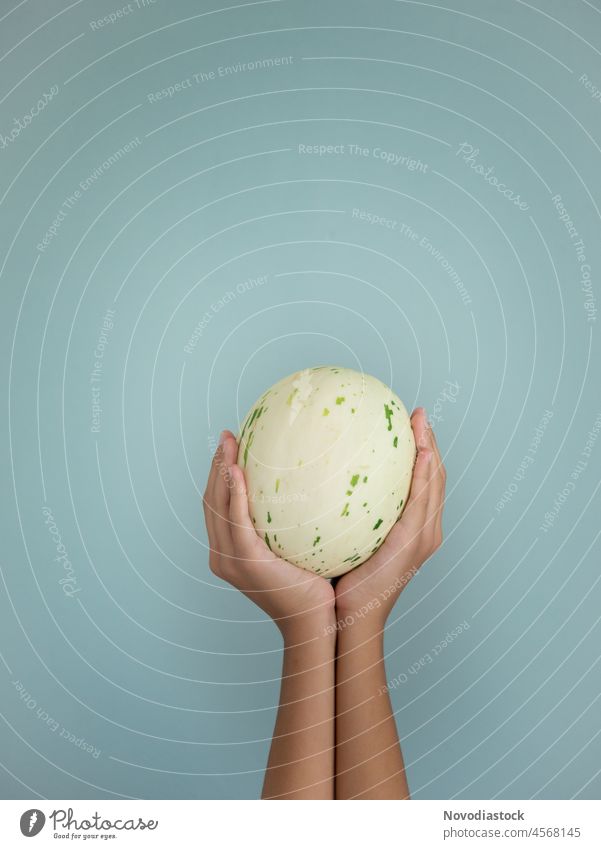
(309, 628)
(361, 630)
(369, 615)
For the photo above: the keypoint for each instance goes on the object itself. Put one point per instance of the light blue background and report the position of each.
(171, 675)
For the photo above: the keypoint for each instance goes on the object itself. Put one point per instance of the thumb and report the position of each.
(244, 535)
(420, 482)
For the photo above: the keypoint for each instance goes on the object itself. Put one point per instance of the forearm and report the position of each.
(301, 759)
(369, 763)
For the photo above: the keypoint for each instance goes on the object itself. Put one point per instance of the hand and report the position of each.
(376, 584)
(300, 602)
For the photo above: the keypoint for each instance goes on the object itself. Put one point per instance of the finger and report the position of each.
(437, 492)
(420, 427)
(217, 530)
(207, 498)
(439, 465)
(417, 502)
(218, 463)
(244, 537)
(426, 439)
(220, 497)
(209, 493)
(409, 529)
(435, 505)
(220, 487)
(433, 444)
(424, 435)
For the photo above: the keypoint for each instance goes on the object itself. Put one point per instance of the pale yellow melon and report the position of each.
(328, 455)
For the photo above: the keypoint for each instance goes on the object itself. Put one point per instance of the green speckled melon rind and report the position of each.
(328, 455)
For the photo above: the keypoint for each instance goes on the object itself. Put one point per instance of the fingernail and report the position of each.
(222, 437)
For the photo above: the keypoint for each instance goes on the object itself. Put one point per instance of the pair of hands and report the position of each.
(291, 596)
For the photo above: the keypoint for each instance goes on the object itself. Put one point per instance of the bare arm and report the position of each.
(369, 762)
(301, 760)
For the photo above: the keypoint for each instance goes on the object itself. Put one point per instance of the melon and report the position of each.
(328, 455)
